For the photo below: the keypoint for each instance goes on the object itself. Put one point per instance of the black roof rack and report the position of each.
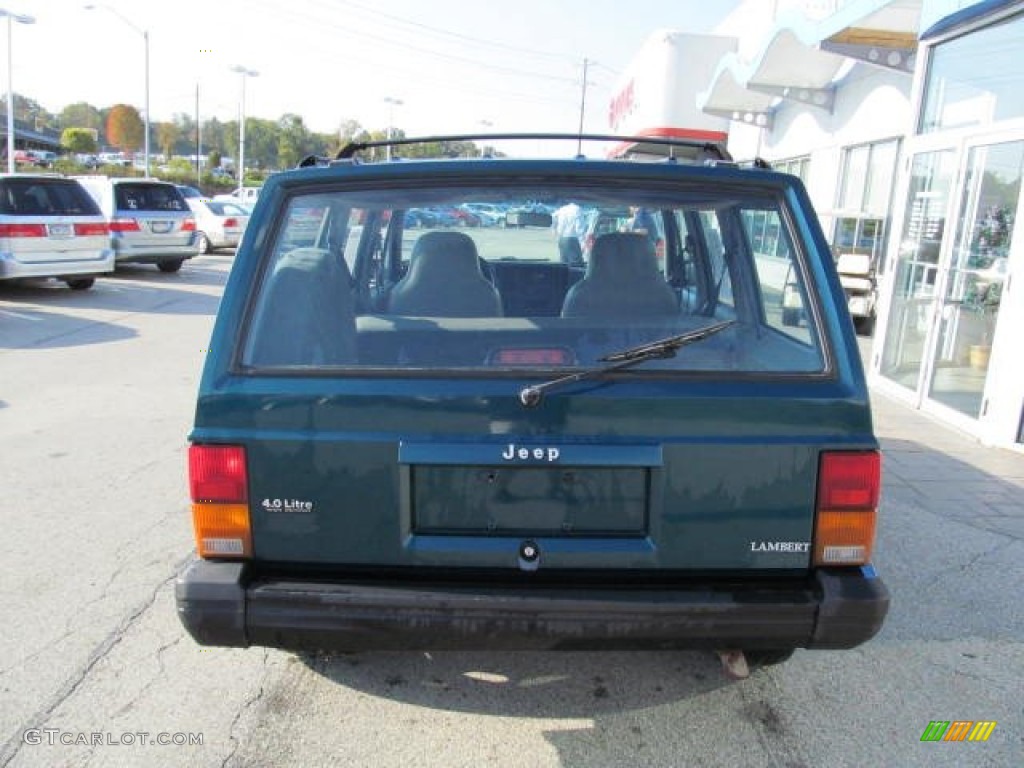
(701, 149)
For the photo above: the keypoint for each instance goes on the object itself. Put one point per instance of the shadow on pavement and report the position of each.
(563, 684)
(34, 329)
(162, 295)
(950, 541)
(207, 270)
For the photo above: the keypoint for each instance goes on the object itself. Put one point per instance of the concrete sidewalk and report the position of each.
(930, 464)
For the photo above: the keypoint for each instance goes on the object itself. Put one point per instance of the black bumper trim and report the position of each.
(218, 606)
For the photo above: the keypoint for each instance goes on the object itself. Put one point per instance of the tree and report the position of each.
(29, 109)
(260, 143)
(351, 130)
(125, 129)
(78, 140)
(81, 115)
(167, 135)
(294, 141)
(213, 136)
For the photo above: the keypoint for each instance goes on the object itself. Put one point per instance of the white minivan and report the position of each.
(50, 227)
(150, 222)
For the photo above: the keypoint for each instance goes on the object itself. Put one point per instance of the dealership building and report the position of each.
(905, 119)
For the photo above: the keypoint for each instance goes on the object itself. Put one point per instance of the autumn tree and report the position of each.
(125, 129)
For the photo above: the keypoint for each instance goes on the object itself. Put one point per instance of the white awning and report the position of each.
(729, 97)
(802, 60)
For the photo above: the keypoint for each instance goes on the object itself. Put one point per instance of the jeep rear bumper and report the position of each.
(219, 605)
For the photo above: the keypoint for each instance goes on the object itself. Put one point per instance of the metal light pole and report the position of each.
(145, 40)
(241, 124)
(392, 103)
(21, 19)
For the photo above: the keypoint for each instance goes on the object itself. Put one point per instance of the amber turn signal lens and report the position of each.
(844, 537)
(222, 530)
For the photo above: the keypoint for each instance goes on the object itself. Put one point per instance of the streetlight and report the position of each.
(392, 102)
(145, 40)
(21, 19)
(241, 123)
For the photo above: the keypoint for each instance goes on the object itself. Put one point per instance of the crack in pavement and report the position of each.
(12, 746)
(251, 702)
(944, 574)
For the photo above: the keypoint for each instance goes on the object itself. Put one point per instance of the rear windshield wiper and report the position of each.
(655, 350)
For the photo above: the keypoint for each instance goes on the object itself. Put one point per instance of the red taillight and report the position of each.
(230, 222)
(124, 225)
(92, 228)
(849, 480)
(849, 483)
(22, 230)
(188, 225)
(217, 473)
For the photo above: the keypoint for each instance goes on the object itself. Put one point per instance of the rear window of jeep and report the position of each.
(500, 279)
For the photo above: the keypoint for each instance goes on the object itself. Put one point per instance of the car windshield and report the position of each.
(506, 279)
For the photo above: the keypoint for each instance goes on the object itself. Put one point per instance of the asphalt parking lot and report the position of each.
(96, 396)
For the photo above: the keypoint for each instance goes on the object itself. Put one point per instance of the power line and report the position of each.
(362, 35)
(467, 38)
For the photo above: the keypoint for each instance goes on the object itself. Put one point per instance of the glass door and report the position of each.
(972, 286)
(904, 350)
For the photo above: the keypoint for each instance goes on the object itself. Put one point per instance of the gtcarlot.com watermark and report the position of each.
(55, 736)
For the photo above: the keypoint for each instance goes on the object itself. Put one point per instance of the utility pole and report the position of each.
(583, 106)
(199, 144)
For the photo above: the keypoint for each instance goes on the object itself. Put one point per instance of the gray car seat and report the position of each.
(444, 280)
(306, 312)
(622, 278)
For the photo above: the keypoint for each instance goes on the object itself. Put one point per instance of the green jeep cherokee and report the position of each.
(424, 430)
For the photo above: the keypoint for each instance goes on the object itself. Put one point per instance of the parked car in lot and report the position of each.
(114, 158)
(87, 160)
(436, 438)
(39, 158)
(220, 224)
(489, 215)
(247, 195)
(50, 227)
(150, 222)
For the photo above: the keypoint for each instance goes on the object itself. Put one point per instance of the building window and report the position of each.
(798, 166)
(867, 177)
(975, 79)
(865, 193)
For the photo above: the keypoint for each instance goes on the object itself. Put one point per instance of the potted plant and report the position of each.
(983, 298)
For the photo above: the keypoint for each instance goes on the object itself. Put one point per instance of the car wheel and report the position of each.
(171, 265)
(768, 658)
(81, 283)
(204, 243)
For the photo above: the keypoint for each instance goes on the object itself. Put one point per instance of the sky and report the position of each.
(456, 66)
